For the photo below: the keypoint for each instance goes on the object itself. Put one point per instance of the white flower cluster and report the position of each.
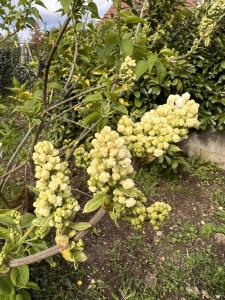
(168, 123)
(111, 173)
(127, 71)
(125, 204)
(82, 157)
(111, 161)
(55, 198)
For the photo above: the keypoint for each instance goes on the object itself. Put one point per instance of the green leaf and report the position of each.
(152, 59)
(92, 98)
(32, 285)
(127, 47)
(134, 20)
(80, 226)
(91, 118)
(141, 68)
(33, 189)
(120, 108)
(4, 233)
(174, 148)
(161, 71)
(96, 202)
(66, 5)
(25, 294)
(40, 221)
(26, 220)
(6, 286)
(5, 218)
(94, 10)
(20, 276)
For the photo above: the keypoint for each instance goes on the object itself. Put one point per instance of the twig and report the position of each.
(37, 257)
(141, 15)
(81, 192)
(12, 171)
(81, 137)
(74, 97)
(48, 63)
(64, 119)
(73, 66)
(16, 153)
(9, 36)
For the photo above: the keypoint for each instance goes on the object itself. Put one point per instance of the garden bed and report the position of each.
(183, 261)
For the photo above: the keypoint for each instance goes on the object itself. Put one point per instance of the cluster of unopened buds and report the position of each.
(82, 157)
(55, 199)
(16, 215)
(127, 71)
(169, 123)
(71, 251)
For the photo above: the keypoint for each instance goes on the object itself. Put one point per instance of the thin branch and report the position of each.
(12, 171)
(74, 97)
(37, 257)
(9, 36)
(141, 16)
(64, 119)
(48, 64)
(73, 66)
(16, 152)
(81, 137)
(81, 192)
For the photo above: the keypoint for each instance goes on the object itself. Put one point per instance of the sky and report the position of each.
(52, 19)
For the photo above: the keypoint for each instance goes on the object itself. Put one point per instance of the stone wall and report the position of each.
(209, 145)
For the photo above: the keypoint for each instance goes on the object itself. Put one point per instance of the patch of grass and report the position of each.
(147, 179)
(185, 234)
(208, 173)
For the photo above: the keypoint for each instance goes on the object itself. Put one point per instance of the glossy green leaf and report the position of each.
(96, 202)
(20, 276)
(80, 226)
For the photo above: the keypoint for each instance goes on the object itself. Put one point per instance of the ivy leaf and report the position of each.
(20, 276)
(80, 226)
(96, 202)
(66, 5)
